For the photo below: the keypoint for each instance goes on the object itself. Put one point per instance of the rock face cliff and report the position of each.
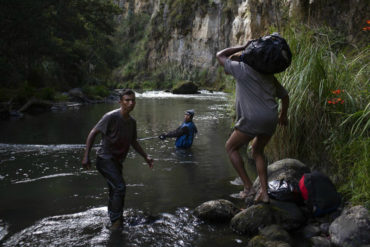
(187, 33)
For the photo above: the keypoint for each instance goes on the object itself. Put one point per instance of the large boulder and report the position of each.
(251, 219)
(351, 228)
(216, 211)
(288, 169)
(186, 87)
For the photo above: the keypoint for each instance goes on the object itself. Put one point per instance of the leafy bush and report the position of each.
(98, 91)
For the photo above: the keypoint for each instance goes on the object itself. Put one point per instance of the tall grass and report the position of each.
(329, 114)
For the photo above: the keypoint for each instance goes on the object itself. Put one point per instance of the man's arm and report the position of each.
(178, 132)
(89, 142)
(283, 117)
(141, 151)
(225, 53)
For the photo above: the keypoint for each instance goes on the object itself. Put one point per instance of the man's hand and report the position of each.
(86, 164)
(162, 137)
(150, 161)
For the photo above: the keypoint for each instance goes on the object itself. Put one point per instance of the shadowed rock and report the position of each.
(275, 233)
(249, 220)
(287, 214)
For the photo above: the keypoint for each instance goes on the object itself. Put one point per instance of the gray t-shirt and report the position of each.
(256, 107)
(117, 135)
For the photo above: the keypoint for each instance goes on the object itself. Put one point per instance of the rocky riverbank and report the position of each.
(74, 99)
(284, 224)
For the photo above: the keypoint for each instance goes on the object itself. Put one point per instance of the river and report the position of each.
(47, 199)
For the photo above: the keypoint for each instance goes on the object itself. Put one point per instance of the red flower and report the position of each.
(368, 21)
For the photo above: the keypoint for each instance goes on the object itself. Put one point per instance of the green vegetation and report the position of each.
(329, 114)
(56, 44)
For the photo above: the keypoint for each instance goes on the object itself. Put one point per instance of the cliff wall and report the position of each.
(188, 33)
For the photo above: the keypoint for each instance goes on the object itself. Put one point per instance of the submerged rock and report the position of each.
(216, 211)
(351, 228)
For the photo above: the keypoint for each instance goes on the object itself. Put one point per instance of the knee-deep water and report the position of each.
(47, 199)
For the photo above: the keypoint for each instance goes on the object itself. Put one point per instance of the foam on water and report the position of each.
(203, 95)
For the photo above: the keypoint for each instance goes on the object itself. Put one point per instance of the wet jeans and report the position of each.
(112, 172)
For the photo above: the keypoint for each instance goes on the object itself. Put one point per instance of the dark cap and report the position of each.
(190, 112)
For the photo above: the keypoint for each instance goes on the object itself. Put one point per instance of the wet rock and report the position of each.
(186, 87)
(216, 211)
(275, 233)
(320, 242)
(287, 214)
(310, 231)
(91, 228)
(261, 241)
(251, 219)
(288, 169)
(351, 228)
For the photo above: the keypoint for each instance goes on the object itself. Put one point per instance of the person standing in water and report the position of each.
(257, 117)
(118, 131)
(185, 133)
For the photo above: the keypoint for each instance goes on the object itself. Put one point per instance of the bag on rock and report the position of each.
(283, 190)
(319, 193)
(268, 55)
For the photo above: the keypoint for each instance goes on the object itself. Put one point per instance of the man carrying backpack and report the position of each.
(257, 117)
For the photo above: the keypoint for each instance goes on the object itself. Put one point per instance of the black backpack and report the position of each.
(319, 193)
(268, 55)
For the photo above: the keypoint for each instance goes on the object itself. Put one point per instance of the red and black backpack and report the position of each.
(319, 193)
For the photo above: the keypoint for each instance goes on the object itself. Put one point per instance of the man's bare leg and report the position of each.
(237, 140)
(258, 147)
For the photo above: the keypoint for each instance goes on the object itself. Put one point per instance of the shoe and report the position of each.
(116, 225)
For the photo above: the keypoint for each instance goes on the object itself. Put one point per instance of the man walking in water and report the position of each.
(257, 117)
(118, 131)
(185, 133)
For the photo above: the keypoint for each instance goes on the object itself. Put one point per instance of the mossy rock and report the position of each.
(186, 87)
(251, 219)
(216, 211)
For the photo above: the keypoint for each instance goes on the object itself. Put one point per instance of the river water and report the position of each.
(47, 199)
